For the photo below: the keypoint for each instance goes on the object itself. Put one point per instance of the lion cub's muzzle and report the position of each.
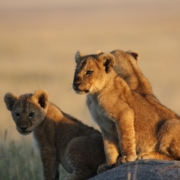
(78, 86)
(24, 130)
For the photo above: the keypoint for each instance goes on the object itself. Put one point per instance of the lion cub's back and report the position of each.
(87, 145)
(87, 148)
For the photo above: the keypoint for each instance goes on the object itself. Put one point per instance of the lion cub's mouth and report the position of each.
(86, 91)
(24, 132)
(82, 91)
(79, 91)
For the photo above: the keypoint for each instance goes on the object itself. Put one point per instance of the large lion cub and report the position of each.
(61, 138)
(132, 124)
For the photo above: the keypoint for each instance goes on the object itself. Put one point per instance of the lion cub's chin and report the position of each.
(25, 133)
(82, 92)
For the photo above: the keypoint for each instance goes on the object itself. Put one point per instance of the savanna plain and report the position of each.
(37, 47)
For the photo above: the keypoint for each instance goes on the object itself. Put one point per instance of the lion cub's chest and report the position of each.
(101, 116)
(110, 105)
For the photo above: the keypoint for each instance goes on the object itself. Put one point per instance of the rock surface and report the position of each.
(143, 170)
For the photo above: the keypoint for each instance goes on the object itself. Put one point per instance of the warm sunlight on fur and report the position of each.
(61, 138)
(121, 101)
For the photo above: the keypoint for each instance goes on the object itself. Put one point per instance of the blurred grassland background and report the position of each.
(38, 40)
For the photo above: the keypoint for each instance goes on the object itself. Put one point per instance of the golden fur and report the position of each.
(133, 122)
(126, 66)
(61, 138)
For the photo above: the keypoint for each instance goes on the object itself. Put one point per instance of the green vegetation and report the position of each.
(21, 162)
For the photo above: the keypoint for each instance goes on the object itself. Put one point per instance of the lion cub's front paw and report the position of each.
(125, 159)
(104, 167)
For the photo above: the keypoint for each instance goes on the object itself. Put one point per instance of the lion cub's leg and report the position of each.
(168, 147)
(111, 151)
(126, 134)
(80, 166)
(50, 164)
(154, 155)
(84, 154)
(169, 137)
(57, 174)
(79, 175)
(111, 144)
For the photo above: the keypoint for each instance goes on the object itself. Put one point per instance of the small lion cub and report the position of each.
(61, 138)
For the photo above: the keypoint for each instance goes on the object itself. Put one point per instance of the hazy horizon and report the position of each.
(38, 40)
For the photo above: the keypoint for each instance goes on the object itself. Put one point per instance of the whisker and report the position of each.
(38, 129)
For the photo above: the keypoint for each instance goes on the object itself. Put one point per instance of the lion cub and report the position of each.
(126, 66)
(132, 125)
(61, 138)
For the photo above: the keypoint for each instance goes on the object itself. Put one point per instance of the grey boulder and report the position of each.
(143, 170)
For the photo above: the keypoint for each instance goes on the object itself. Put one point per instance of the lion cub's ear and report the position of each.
(41, 97)
(108, 61)
(99, 51)
(134, 54)
(78, 57)
(10, 99)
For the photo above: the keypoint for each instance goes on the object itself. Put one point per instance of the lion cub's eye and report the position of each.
(89, 72)
(17, 114)
(31, 114)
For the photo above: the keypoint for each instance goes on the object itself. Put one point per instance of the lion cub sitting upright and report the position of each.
(132, 125)
(60, 137)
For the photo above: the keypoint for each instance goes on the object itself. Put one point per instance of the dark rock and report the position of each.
(143, 170)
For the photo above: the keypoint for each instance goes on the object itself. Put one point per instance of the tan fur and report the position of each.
(133, 122)
(126, 66)
(61, 138)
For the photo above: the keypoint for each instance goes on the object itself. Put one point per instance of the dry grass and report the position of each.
(20, 161)
(37, 48)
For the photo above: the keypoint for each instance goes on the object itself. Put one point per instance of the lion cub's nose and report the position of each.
(77, 83)
(23, 127)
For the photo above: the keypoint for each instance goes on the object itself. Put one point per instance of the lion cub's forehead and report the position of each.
(86, 62)
(23, 103)
(25, 96)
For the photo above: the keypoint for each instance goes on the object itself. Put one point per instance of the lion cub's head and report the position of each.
(28, 110)
(91, 71)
